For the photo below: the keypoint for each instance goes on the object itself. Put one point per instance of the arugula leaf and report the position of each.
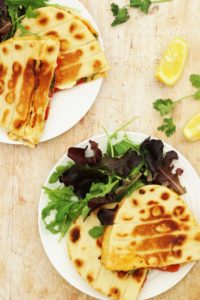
(59, 171)
(164, 106)
(124, 146)
(24, 31)
(195, 80)
(30, 13)
(168, 127)
(62, 209)
(110, 151)
(99, 190)
(96, 231)
(121, 14)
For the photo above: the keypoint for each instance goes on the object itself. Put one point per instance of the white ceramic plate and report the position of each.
(69, 106)
(157, 282)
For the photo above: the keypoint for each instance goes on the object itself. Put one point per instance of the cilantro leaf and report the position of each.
(168, 127)
(135, 3)
(143, 5)
(197, 95)
(114, 9)
(96, 231)
(195, 80)
(164, 106)
(121, 14)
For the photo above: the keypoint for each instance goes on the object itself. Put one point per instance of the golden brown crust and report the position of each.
(25, 86)
(152, 228)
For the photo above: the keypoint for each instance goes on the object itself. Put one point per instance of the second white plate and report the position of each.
(69, 106)
(157, 282)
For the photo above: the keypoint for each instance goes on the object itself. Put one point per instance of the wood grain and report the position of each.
(133, 50)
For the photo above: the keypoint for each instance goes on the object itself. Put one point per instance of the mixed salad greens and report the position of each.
(13, 11)
(92, 179)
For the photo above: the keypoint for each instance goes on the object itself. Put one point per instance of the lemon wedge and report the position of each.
(192, 129)
(173, 61)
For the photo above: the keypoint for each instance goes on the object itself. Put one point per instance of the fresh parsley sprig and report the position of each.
(121, 14)
(166, 106)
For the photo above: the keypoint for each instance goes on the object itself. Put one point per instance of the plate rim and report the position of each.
(100, 136)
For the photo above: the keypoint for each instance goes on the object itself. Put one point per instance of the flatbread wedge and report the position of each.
(85, 254)
(81, 57)
(153, 228)
(27, 67)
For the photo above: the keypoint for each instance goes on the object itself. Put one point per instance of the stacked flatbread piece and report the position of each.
(60, 51)
(85, 253)
(81, 56)
(27, 66)
(153, 228)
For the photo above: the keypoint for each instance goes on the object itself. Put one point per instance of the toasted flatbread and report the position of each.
(81, 56)
(153, 228)
(28, 65)
(85, 253)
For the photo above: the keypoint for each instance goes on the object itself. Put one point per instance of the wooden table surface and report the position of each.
(133, 50)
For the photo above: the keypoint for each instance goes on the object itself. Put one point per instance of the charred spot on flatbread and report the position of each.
(90, 278)
(138, 275)
(5, 50)
(99, 242)
(114, 292)
(60, 15)
(165, 196)
(156, 238)
(43, 21)
(79, 263)
(75, 234)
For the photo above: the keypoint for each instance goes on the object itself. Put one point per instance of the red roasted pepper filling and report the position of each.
(172, 268)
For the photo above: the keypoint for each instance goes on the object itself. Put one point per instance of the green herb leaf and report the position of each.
(164, 106)
(23, 30)
(121, 14)
(143, 5)
(30, 13)
(96, 231)
(59, 171)
(197, 95)
(64, 206)
(110, 151)
(18, 9)
(114, 9)
(62, 209)
(101, 189)
(168, 127)
(195, 80)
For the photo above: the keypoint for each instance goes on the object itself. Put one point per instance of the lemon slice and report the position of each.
(192, 129)
(173, 61)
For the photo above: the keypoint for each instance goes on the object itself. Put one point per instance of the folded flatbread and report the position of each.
(27, 66)
(153, 228)
(81, 57)
(85, 253)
